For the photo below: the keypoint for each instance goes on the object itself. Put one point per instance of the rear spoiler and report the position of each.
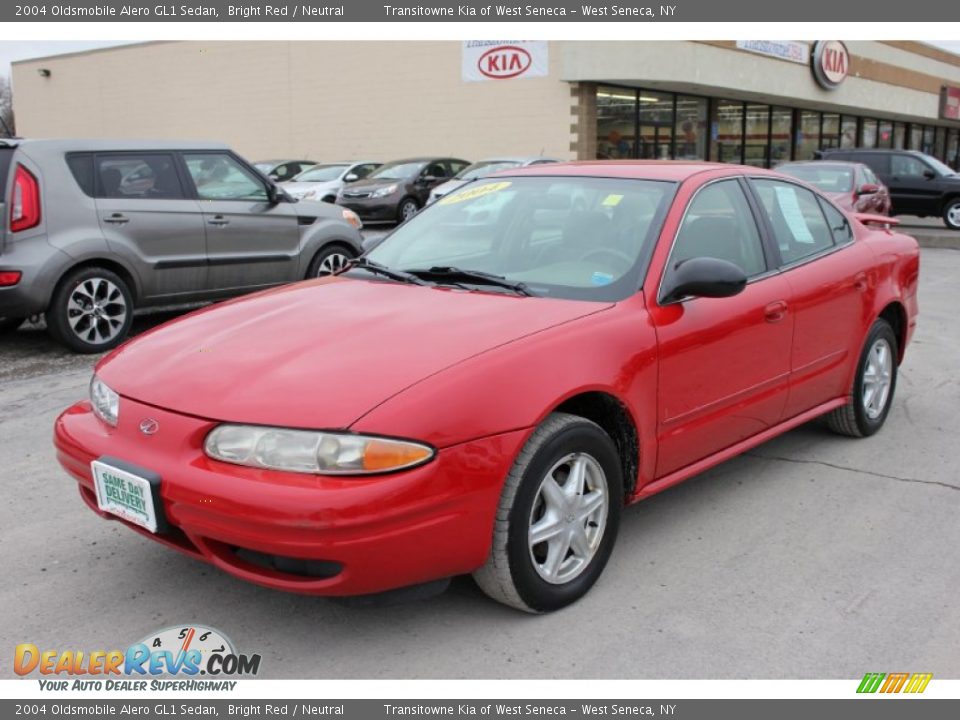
(872, 219)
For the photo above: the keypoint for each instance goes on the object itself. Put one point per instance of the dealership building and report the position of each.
(753, 102)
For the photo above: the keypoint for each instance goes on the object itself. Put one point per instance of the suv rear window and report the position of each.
(81, 165)
(6, 157)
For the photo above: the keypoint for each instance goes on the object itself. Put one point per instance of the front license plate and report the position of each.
(125, 494)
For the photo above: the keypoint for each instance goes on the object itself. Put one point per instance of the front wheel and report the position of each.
(91, 310)
(330, 260)
(557, 519)
(407, 209)
(873, 386)
(951, 214)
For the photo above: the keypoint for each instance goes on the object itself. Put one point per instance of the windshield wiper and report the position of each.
(477, 277)
(361, 263)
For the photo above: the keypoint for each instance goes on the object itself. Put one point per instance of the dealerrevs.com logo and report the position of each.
(186, 652)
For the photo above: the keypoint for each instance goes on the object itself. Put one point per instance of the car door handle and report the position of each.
(860, 281)
(117, 219)
(775, 311)
(218, 220)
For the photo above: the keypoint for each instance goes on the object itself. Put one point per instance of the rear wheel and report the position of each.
(873, 386)
(951, 213)
(329, 260)
(8, 325)
(91, 310)
(558, 517)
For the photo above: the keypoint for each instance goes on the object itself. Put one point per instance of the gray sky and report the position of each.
(16, 50)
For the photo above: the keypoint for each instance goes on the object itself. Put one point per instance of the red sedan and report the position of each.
(851, 185)
(486, 389)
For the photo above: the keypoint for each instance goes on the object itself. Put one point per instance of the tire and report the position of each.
(407, 209)
(331, 258)
(951, 213)
(865, 414)
(525, 575)
(91, 310)
(9, 325)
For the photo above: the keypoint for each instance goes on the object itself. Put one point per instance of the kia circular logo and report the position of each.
(149, 426)
(831, 63)
(504, 61)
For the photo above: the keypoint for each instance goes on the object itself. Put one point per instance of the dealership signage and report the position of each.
(831, 63)
(798, 52)
(950, 103)
(484, 60)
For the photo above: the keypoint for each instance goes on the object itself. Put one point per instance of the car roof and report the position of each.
(843, 151)
(281, 161)
(820, 163)
(106, 144)
(426, 159)
(519, 159)
(672, 170)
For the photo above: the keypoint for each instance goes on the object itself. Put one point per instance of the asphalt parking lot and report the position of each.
(813, 556)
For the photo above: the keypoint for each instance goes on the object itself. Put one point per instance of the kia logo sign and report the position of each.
(504, 61)
(831, 63)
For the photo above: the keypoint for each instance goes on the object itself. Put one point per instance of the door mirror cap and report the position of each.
(704, 277)
(427, 179)
(868, 189)
(276, 195)
(929, 174)
(351, 177)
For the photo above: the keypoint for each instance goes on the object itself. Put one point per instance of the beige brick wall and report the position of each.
(324, 100)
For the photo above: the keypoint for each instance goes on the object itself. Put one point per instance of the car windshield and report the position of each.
(825, 177)
(320, 173)
(484, 168)
(938, 166)
(397, 171)
(580, 238)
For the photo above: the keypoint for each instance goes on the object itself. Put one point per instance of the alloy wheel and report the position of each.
(96, 311)
(332, 263)
(877, 378)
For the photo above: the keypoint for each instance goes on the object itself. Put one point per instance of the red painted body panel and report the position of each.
(472, 374)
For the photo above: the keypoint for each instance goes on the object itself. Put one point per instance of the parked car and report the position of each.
(852, 186)
(322, 182)
(97, 228)
(525, 371)
(919, 184)
(283, 170)
(396, 191)
(485, 168)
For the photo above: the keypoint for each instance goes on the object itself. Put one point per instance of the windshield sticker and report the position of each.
(473, 193)
(612, 200)
(793, 215)
(601, 278)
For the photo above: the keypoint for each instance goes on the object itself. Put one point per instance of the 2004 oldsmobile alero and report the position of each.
(486, 390)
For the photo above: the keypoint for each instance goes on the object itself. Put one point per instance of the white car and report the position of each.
(483, 168)
(323, 181)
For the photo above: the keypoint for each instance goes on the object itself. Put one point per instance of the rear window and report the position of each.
(6, 157)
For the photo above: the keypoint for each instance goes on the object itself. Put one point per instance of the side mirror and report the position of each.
(929, 174)
(703, 277)
(351, 177)
(868, 189)
(427, 179)
(276, 195)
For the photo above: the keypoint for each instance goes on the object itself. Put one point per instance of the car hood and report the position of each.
(371, 183)
(303, 187)
(321, 353)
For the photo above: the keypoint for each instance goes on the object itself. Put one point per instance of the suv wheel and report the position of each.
(91, 310)
(951, 213)
(329, 260)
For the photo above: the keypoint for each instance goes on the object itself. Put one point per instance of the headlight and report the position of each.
(106, 403)
(384, 191)
(306, 451)
(351, 217)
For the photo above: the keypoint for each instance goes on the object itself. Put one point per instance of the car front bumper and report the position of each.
(362, 535)
(372, 210)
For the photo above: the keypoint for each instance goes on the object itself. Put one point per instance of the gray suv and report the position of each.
(94, 228)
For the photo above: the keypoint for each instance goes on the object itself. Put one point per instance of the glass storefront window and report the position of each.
(953, 149)
(899, 135)
(916, 137)
(756, 142)
(940, 144)
(848, 132)
(726, 131)
(656, 125)
(868, 134)
(830, 131)
(781, 132)
(927, 143)
(691, 130)
(885, 134)
(616, 123)
(808, 135)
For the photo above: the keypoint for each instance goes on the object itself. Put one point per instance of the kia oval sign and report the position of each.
(831, 63)
(506, 61)
(485, 60)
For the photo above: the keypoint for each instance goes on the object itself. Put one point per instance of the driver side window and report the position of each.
(719, 224)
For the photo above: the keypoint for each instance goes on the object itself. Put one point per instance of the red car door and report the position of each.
(723, 362)
(829, 284)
